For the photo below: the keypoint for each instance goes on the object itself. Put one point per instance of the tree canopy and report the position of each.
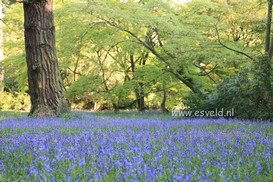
(153, 54)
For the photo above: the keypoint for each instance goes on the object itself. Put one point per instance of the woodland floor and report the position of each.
(129, 146)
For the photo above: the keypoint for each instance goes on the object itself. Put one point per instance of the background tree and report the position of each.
(154, 55)
(248, 89)
(1, 49)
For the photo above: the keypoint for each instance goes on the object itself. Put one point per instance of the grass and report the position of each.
(83, 146)
(135, 114)
(7, 114)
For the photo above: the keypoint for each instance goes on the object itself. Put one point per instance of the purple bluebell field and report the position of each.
(102, 148)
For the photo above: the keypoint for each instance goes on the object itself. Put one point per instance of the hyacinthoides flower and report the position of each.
(134, 149)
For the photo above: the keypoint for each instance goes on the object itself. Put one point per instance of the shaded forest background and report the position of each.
(152, 54)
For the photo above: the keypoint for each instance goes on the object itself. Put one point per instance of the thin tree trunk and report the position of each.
(45, 84)
(139, 92)
(268, 26)
(267, 67)
(140, 97)
(1, 50)
(163, 103)
(116, 108)
(141, 85)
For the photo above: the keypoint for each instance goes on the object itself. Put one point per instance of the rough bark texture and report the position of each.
(45, 83)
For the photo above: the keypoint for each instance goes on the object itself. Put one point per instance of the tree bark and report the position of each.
(164, 99)
(140, 97)
(266, 64)
(45, 84)
(268, 25)
(1, 50)
(139, 90)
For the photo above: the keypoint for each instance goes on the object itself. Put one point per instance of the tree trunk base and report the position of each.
(43, 110)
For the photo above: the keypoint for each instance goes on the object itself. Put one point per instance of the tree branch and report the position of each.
(231, 49)
(73, 71)
(187, 81)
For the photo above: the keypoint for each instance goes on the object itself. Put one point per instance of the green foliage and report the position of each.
(111, 50)
(234, 93)
(8, 114)
(245, 93)
(15, 79)
(17, 101)
(15, 73)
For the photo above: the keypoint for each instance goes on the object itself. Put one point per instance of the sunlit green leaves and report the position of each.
(96, 40)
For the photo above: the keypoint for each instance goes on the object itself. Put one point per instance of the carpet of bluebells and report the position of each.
(89, 147)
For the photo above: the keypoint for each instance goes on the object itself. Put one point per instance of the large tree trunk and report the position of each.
(44, 79)
(1, 49)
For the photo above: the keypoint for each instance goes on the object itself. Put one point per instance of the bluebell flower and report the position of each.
(259, 167)
(68, 174)
(33, 171)
(82, 162)
(135, 147)
(247, 177)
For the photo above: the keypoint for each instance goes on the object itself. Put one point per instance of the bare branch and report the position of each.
(5, 23)
(73, 71)
(206, 73)
(161, 44)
